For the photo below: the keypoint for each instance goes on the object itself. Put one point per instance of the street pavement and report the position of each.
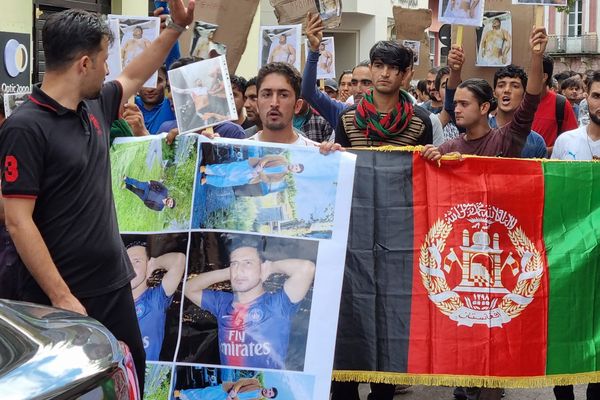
(445, 393)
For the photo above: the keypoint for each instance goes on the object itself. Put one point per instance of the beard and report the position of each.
(594, 119)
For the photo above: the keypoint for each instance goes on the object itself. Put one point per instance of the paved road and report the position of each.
(444, 393)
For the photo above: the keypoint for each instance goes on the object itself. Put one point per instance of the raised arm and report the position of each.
(456, 59)
(143, 66)
(327, 107)
(174, 264)
(35, 255)
(195, 285)
(292, 57)
(301, 274)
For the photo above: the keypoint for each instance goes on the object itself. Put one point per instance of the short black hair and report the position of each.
(290, 73)
(438, 77)
(548, 69)
(561, 76)
(72, 33)
(482, 90)
(275, 392)
(251, 82)
(511, 71)
(574, 81)
(393, 53)
(422, 85)
(363, 63)
(234, 242)
(591, 78)
(239, 83)
(433, 70)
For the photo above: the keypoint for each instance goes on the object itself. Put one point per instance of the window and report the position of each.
(432, 47)
(575, 19)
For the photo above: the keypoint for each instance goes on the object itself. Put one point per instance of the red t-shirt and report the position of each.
(544, 121)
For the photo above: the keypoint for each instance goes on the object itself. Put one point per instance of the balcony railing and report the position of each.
(585, 44)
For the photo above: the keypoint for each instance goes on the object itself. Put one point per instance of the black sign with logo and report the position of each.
(15, 62)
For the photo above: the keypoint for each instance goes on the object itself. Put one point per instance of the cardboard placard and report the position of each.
(522, 21)
(411, 25)
(291, 12)
(234, 19)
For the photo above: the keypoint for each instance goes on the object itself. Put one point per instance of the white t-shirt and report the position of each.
(576, 145)
(301, 141)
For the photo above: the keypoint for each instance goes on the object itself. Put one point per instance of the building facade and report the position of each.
(573, 36)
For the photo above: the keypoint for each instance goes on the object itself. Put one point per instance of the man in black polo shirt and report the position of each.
(56, 178)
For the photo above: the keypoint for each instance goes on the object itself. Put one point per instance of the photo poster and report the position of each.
(326, 63)
(202, 94)
(280, 43)
(559, 3)
(251, 304)
(494, 39)
(203, 45)
(14, 100)
(415, 46)
(461, 12)
(290, 12)
(132, 36)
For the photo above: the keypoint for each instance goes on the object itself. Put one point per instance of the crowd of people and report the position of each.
(61, 249)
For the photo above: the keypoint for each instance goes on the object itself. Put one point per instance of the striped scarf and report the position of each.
(375, 127)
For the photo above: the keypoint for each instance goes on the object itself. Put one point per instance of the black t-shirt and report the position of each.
(60, 157)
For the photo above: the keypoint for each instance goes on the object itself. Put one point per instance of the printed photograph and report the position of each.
(291, 12)
(280, 44)
(330, 10)
(135, 35)
(157, 382)
(153, 183)
(494, 40)
(203, 46)
(159, 263)
(114, 52)
(202, 94)
(269, 190)
(14, 100)
(461, 12)
(247, 301)
(561, 3)
(415, 46)
(326, 63)
(209, 383)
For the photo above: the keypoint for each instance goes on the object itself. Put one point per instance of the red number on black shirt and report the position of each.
(11, 171)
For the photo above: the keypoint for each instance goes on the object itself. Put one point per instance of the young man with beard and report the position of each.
(155, 107)
(435, 102)
(56, 183)
(251, 105)
(245, 341)
(583, 143)
(151, 303)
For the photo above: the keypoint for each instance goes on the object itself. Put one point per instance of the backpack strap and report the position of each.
(560, 112)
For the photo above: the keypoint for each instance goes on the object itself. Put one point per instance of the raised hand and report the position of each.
(538, 40)
(314, 31)
(456, 58)
(182, 15)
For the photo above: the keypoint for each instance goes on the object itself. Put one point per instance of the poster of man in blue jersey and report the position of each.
(159, 264)
(259, 291)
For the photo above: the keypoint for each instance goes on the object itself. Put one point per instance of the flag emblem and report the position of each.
(477, 276)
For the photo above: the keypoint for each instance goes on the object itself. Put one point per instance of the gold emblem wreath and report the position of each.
(434, 285)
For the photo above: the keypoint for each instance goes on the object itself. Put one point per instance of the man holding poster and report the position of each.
(254, 325)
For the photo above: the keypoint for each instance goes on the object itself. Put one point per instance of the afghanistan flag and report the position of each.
(474, 272)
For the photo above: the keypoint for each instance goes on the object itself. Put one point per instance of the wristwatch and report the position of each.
(169, 23)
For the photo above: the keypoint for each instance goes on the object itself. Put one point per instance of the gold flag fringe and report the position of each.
(521, 382)
(458, 156)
